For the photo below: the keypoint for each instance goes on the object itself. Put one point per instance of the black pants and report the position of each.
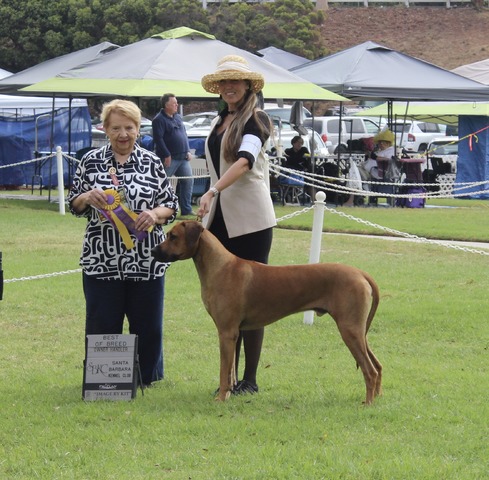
(109, 301)
(253, 246)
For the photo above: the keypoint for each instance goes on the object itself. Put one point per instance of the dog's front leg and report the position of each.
(227, 376)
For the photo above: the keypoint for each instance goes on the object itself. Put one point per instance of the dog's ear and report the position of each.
(193, 230)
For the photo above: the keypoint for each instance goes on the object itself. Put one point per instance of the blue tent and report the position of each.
(15, 175)
(27, 137)
(473, 163)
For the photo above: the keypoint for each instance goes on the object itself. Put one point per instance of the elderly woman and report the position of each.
(123, 192)
(238, 208)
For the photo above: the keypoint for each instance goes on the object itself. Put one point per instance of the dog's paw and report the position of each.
(222, 397)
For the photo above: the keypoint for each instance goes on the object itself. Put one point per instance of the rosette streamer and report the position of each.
(122, 218)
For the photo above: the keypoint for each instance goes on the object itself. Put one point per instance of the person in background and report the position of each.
(171, 145)
(123, 192)
(377, 162)
(373, 168)
(297, 157)
(238, 208)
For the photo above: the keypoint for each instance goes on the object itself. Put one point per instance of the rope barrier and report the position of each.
(44, 275)
(315, 180)
(25, 162)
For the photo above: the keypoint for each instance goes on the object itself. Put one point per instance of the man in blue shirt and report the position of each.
(171, 145)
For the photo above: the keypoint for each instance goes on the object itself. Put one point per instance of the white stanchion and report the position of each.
(317, 232)
(61, 185)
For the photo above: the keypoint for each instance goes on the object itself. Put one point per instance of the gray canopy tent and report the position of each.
(29, 105)
(50, 68)
(372, 71)
(172, 61)
(282, 58)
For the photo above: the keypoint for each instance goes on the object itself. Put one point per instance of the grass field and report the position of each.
(431, 333)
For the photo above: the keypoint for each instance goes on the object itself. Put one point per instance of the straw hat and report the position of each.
(385, 135)
(232, 67)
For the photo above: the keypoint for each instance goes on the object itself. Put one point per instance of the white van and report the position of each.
(352, 128)
(415, 136)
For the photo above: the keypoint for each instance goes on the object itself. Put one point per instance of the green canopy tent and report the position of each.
(472, 119)
(172, 61)
(446, 113)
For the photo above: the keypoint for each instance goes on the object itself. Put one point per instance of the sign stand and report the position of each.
(111, 367)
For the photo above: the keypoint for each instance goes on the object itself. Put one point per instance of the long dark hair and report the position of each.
(234, 135)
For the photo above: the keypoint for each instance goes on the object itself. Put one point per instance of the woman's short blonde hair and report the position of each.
(123, 107)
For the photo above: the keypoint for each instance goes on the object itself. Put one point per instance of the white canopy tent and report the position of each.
(478, 71)
(19, 106)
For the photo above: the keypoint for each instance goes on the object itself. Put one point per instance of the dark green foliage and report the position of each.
(35, 30)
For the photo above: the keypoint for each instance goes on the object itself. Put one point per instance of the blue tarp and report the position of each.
(473, 156)
(18, 143)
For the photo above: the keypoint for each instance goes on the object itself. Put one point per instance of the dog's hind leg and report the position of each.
(357, 345)
(378, 367)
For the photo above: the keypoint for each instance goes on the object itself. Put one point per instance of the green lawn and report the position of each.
(308, 422)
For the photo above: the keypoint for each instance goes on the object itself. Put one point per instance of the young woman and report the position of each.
(238, 208)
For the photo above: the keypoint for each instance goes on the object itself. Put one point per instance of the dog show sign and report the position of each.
(111, 367)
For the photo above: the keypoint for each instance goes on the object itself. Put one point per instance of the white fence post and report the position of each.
(317, 232)
(61, 185)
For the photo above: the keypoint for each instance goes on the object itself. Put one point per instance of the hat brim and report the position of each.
(385, 136)
(211, 81)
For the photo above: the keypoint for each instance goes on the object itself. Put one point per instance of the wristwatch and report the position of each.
(214, 190)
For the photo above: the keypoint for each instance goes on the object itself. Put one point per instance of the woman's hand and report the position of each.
(146, 220)
(205, 204)
(95, 198)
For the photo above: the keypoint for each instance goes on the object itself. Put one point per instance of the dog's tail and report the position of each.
(371, 315)
(375, 300)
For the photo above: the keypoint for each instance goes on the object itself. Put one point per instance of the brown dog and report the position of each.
(244, 295)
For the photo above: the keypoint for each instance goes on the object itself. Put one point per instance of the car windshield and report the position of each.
(399, 127)
(444, 148)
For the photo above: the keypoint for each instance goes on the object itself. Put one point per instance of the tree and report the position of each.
(37, 30)
(301, 23)
(32, 33)
(292, 25)
(179, 13)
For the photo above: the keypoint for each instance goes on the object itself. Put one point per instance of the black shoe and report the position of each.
(243, 387)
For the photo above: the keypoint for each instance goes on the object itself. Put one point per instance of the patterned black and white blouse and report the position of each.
(145, 186)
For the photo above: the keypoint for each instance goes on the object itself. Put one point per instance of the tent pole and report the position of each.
(70, 113)
(338, 148)
(51, 146)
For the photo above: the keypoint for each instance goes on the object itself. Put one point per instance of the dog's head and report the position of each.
(181, 242)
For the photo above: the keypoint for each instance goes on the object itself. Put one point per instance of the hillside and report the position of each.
(445, 37)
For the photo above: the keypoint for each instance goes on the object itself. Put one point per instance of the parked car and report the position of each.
(281, 139)
(312, 141)
(352, 128)
(283, 113)
(414, 136)
(198, 120)
(446, 149)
